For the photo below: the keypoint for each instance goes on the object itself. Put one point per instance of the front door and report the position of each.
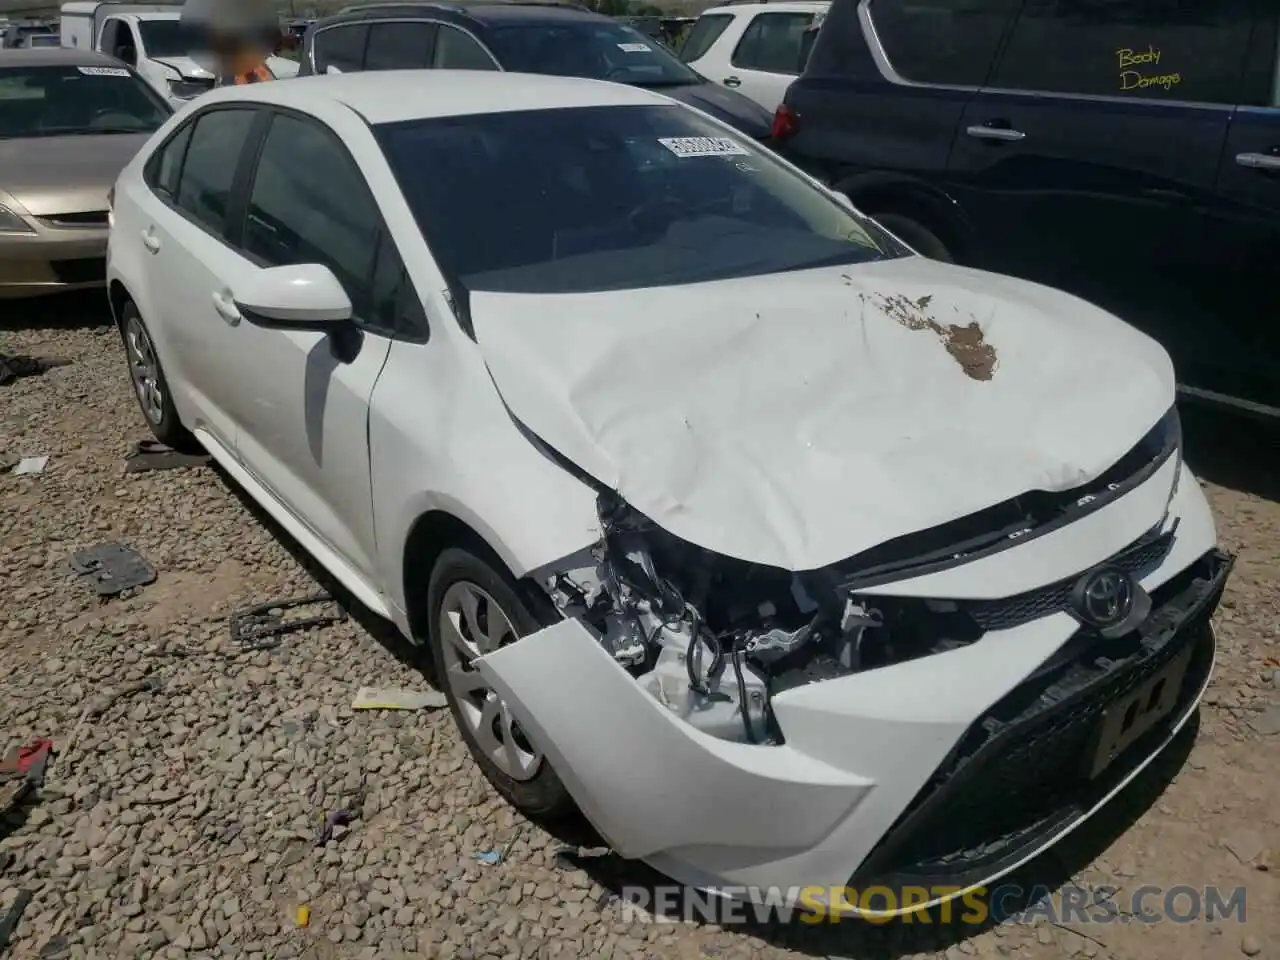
(1083, 161)
(190, 265)
(304, 426)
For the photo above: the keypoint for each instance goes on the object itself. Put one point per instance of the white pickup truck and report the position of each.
(149, 38)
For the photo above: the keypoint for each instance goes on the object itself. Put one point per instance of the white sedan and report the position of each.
(794, 560)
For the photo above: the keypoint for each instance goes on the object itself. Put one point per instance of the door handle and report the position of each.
(1004, 134)
(1258, 161)
(226, 307)
(150, 240)
(732, 82)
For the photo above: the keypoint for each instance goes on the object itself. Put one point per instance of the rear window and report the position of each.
(611, 198)
(68, 101)
(340, 48)
(949, 42)
(703, 35)
(598, 50)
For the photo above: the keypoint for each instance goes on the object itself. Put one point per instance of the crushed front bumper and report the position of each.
(944, 771)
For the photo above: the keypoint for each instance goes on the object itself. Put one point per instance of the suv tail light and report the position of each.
(786, 123)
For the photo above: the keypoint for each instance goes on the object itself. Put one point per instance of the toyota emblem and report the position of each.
(1104, 597)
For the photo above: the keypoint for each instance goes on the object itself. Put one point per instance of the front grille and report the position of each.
(1019, 775)
(91, 218)
(86, 270)
(1011, 612)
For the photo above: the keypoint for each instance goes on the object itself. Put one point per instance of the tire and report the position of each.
(535, 791)
(150, 388)
(917, 236)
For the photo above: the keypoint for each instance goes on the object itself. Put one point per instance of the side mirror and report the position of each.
(305, 296)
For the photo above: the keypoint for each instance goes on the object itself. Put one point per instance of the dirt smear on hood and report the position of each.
(966, 344)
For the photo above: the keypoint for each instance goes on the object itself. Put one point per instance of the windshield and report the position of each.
(165, 38)
(612, 198)
(598, 50)
(58, 101)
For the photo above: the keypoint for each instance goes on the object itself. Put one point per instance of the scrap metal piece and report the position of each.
(111, 568)
(260, 627)
(15, 367)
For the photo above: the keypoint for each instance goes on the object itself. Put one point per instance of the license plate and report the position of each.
(1129, 718)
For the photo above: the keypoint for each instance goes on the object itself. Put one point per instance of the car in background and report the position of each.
(756, 48)
(540, 37)
(1126, 152)
(794, 559)
(69, 122)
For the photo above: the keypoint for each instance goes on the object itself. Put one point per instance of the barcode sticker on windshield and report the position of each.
(635, 48)
(703, 147)
(104, 71)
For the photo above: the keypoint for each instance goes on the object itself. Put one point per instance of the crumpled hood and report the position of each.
(186, 67)
(51, 175)
(729, 106)
(798, 419)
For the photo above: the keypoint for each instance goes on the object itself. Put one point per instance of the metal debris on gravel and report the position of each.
(182, 817)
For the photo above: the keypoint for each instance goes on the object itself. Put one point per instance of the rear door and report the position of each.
(1240, 244)
(190, 265)
(1084, 161)
(770, 55)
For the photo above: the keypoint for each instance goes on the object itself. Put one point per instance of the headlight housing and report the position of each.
(10, 222)
(187, 89)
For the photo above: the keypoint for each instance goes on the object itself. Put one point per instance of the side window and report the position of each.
(456, 50)
(1130, 48)
(341, 47)
(165, 168)
(942, 41)
(317, 212)
(772, 43)
(399, 46)
(204, 184)
(705, 32)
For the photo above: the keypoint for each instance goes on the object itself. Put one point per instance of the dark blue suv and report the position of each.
(1127, 151)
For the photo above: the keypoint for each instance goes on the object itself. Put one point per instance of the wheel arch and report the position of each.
(429, 536)
(117, 295)
(884, 192)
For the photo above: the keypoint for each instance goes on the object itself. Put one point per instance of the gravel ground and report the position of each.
(180, 821)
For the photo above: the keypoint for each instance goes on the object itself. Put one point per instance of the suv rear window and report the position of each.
(942, 41)
(703, 34)
(1130, 48)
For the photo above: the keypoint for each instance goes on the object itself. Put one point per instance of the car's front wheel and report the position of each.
(475, 610)
(150, 387)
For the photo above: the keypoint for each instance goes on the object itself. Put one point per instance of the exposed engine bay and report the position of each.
(713, 638)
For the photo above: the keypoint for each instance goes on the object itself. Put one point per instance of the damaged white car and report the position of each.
(789, 557)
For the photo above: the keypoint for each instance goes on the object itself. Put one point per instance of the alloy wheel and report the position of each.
(145, 369)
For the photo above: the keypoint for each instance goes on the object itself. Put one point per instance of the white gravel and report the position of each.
(181, 822)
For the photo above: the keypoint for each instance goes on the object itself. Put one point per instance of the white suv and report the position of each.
(757, 48)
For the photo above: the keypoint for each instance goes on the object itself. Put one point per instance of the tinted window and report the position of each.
(399, 46)
(1129, 48)
(703, 34)
(772, 42)
(205, 186)
(341, 47)
(61, 101)
(456, 50)
(597, 49)
(942, 41)
(309, 204)
(166, 167)
(610, 198)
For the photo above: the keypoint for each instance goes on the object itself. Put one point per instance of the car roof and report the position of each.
(389, 96)
(483, 11)
(55, 57)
